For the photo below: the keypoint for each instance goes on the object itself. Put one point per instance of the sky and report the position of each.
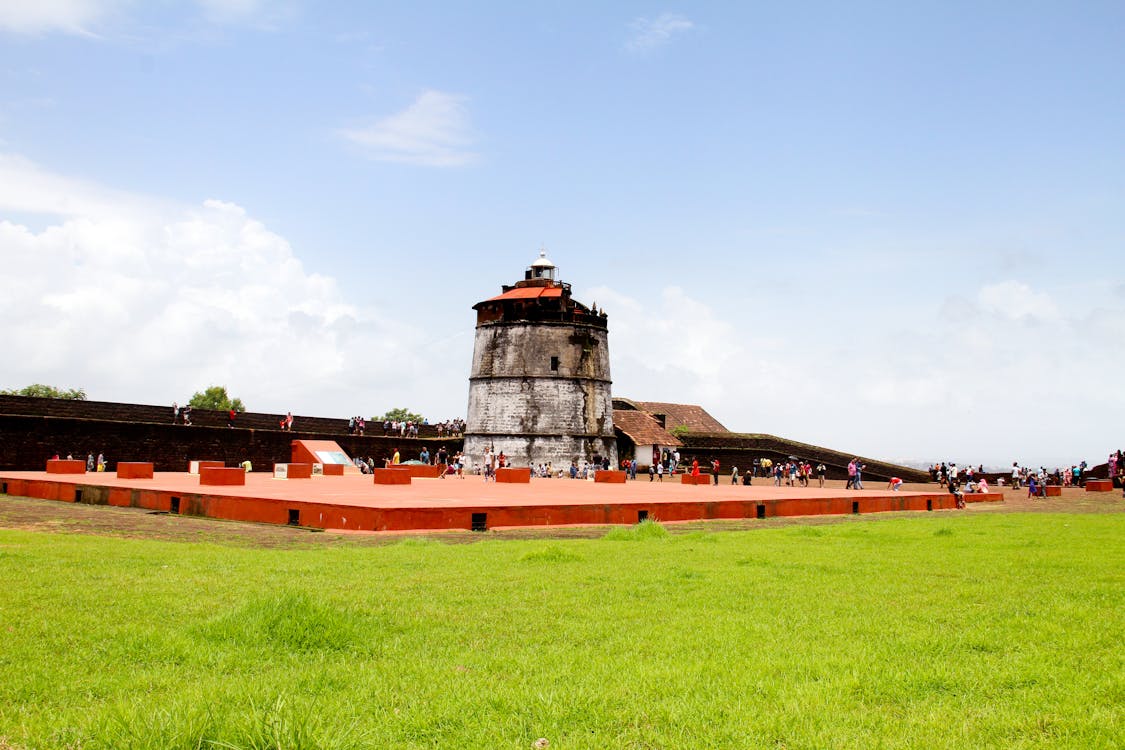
(893, 229)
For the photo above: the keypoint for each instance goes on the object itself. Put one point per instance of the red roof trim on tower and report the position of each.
(528, 292)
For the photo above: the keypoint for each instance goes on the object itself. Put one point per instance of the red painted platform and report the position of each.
(610, 477)
(356, 503)
(689, 479)
(1053, 490)
(1099, 485)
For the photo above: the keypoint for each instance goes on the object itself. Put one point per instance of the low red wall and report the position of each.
(134, 470)
(1053, 490)
(214, 475)
(701, 479)
(392, 476)
(1099, 485)
(610, 477)
(66, 466)
(983, 497)
(421, 471)
(514, 475)
(207, 464)
(298, 471)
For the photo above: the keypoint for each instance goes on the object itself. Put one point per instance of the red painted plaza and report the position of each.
(355, 502)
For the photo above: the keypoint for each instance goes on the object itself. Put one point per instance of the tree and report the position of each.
(38, 390)
(215, 397)
(400, 415)
(680, 430)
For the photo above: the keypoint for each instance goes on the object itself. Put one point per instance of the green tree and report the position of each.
(399, 415)
(38, 390)
(680, 430)
(215, 397)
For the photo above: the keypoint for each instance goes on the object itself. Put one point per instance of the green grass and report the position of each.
(935, 631)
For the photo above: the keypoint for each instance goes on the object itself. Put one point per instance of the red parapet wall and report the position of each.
(66, 466)
(610, 477)
(214, 475)
(134, 470)
(514, 475)
(1053, 490)
(392, 476)
(332, 470)
(983, 497)
(201, 465)
(1099, 485)
(689, 479)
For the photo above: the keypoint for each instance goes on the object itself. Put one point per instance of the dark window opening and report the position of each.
(855, 507)
(4, 488)
(294, 517)
(661, 419)
(642, 515)
(929, 505)
(761, 511)
(554, 364)
(480, 522)
(78, 496)
(175, 505)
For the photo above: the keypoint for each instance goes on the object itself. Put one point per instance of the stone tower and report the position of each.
(540, 389)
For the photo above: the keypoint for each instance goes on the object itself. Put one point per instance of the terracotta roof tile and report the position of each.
(695, 418)
(642, 429)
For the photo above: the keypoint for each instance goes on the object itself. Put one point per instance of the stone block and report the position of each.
(222, 476)
(66, 466)
(514, 475)
(392, 476)
(134, 470)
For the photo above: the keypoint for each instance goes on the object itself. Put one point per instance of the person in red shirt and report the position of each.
(695, 467)
(715, 470)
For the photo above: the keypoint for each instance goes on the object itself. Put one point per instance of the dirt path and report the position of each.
(103, 520)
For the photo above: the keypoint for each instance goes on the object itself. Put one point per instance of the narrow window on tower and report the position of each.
(554, 364)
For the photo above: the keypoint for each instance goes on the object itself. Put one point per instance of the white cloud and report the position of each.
(433, 131)
(649, 34)
(1015, 300)
(972, 383)
(143, 300)
(41, 16)
(261, 13)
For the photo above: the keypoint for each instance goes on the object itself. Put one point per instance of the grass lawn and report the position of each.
(942, 630)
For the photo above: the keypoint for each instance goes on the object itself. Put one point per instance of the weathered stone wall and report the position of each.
(26, 442)
(122, 412)
(535, 409)
(525, 349)
(740, 449)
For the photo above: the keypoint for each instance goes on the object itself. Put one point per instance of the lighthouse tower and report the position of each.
(539, 390)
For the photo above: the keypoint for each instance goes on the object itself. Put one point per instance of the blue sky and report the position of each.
(895, 229)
